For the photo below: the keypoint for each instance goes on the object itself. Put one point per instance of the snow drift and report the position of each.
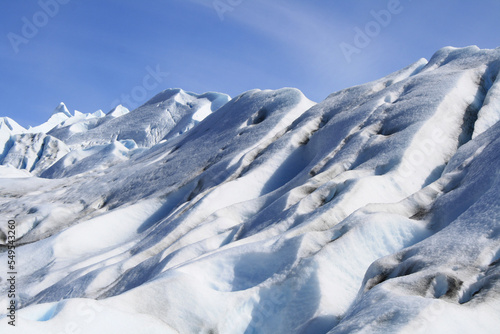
(375, 210)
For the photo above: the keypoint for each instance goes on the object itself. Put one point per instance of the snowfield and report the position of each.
(373, 211)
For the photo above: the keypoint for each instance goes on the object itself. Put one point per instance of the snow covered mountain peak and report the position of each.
(167, 115)
(118, 111)
(9, 125)
(61, 109)
(373, 211)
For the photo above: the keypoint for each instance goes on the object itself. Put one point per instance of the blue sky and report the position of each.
(94, 54)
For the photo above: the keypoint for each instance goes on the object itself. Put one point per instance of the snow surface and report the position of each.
(374, 211)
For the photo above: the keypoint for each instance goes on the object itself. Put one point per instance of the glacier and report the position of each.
(373, 211)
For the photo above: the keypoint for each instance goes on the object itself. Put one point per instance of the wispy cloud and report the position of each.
(300, 30)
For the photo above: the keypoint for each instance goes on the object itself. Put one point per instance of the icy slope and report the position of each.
(8, 128)
(33, 152)
(374, 211)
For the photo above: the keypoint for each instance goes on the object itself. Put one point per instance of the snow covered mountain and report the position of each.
(373, 211)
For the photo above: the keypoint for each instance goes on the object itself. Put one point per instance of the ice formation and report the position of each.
(373, 211)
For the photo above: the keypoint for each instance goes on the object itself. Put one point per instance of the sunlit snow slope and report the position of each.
(374, 211)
